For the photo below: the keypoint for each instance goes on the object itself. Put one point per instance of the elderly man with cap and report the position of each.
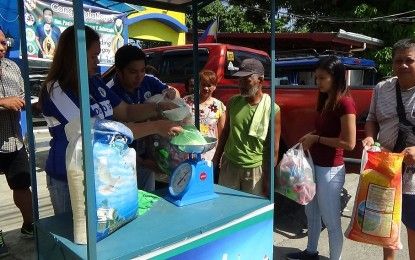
(246, 134)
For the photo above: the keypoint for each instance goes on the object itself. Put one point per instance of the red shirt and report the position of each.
(328, 124)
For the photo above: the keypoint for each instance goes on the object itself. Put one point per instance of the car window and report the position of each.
(357, 78)
(177, 65)
(362, 78)
(295, 77)
(299, 71)
(235, 57)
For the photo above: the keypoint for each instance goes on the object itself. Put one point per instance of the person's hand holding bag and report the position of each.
(308, 140)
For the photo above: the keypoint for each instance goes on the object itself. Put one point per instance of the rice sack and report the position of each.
(116, 192)
(377, 209)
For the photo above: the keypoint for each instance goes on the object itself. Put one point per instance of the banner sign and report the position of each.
(46, 19)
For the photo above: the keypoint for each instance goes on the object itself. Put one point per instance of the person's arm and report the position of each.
(140, 112)
(12, 103)
(38, 45)
(267, 152)
(221, 124)
(37, 38)
(222, 141)
(409, 153)
(371, 126)
(164, 128)
(277, 135)
(346, 141)
(371, 131)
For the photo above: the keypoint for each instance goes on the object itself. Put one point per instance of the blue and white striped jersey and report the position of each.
(60, 107)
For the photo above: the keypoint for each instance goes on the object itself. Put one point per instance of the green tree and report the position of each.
(352, 15)
(235, 18)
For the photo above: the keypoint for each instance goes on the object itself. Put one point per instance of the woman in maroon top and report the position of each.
(335, 131)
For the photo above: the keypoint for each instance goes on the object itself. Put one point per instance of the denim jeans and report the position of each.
(326, 205)
(59, 195)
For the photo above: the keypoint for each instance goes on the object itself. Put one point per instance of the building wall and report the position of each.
(158, 29)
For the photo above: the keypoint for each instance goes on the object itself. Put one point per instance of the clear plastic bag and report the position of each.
(189, 136)
(178, 114)
(115, 177)
(164, 150)
(295, 175)
(163, 153)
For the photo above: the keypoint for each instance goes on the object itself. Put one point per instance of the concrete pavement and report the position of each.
(10, 217)
(288, 233)
(289, 238)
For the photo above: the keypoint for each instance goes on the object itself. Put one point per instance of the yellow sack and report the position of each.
(377, 209)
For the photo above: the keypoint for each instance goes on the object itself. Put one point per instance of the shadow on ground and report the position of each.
(289, 218)
(280, 252)
(19, 248)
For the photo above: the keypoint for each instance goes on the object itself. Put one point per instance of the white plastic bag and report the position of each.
(295, 175)
(363, 161)
(177, 114)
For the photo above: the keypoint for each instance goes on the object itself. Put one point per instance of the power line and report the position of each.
(397, 17)
(387, 18)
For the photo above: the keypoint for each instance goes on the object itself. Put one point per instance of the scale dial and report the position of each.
(180, 179)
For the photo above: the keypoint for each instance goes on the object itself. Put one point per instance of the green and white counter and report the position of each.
(236, 225)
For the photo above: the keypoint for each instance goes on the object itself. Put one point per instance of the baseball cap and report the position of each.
(248, 67)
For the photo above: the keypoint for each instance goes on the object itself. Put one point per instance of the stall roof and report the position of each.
(114, 6)
(174, 5)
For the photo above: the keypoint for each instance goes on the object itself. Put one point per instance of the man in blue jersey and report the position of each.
(131, 83)
(134, 86)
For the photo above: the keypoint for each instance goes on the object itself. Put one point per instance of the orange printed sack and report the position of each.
(377, 209)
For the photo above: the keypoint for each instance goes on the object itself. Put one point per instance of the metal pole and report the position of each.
(196, 62)
(273, 83)
(88, 165)
(28, 108)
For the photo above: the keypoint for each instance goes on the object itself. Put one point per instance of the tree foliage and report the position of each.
(235, 18)
(352, 15)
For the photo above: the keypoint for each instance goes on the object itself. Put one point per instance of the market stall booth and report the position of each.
(192, 219)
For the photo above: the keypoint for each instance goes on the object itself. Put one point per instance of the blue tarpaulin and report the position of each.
(114, 6)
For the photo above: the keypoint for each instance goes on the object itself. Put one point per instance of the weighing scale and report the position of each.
(192, 181)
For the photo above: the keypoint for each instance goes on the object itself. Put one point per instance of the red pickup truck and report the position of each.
(295, 90)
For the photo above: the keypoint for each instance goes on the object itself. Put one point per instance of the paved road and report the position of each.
(10, 218)
(289, 238)
(288, 233)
